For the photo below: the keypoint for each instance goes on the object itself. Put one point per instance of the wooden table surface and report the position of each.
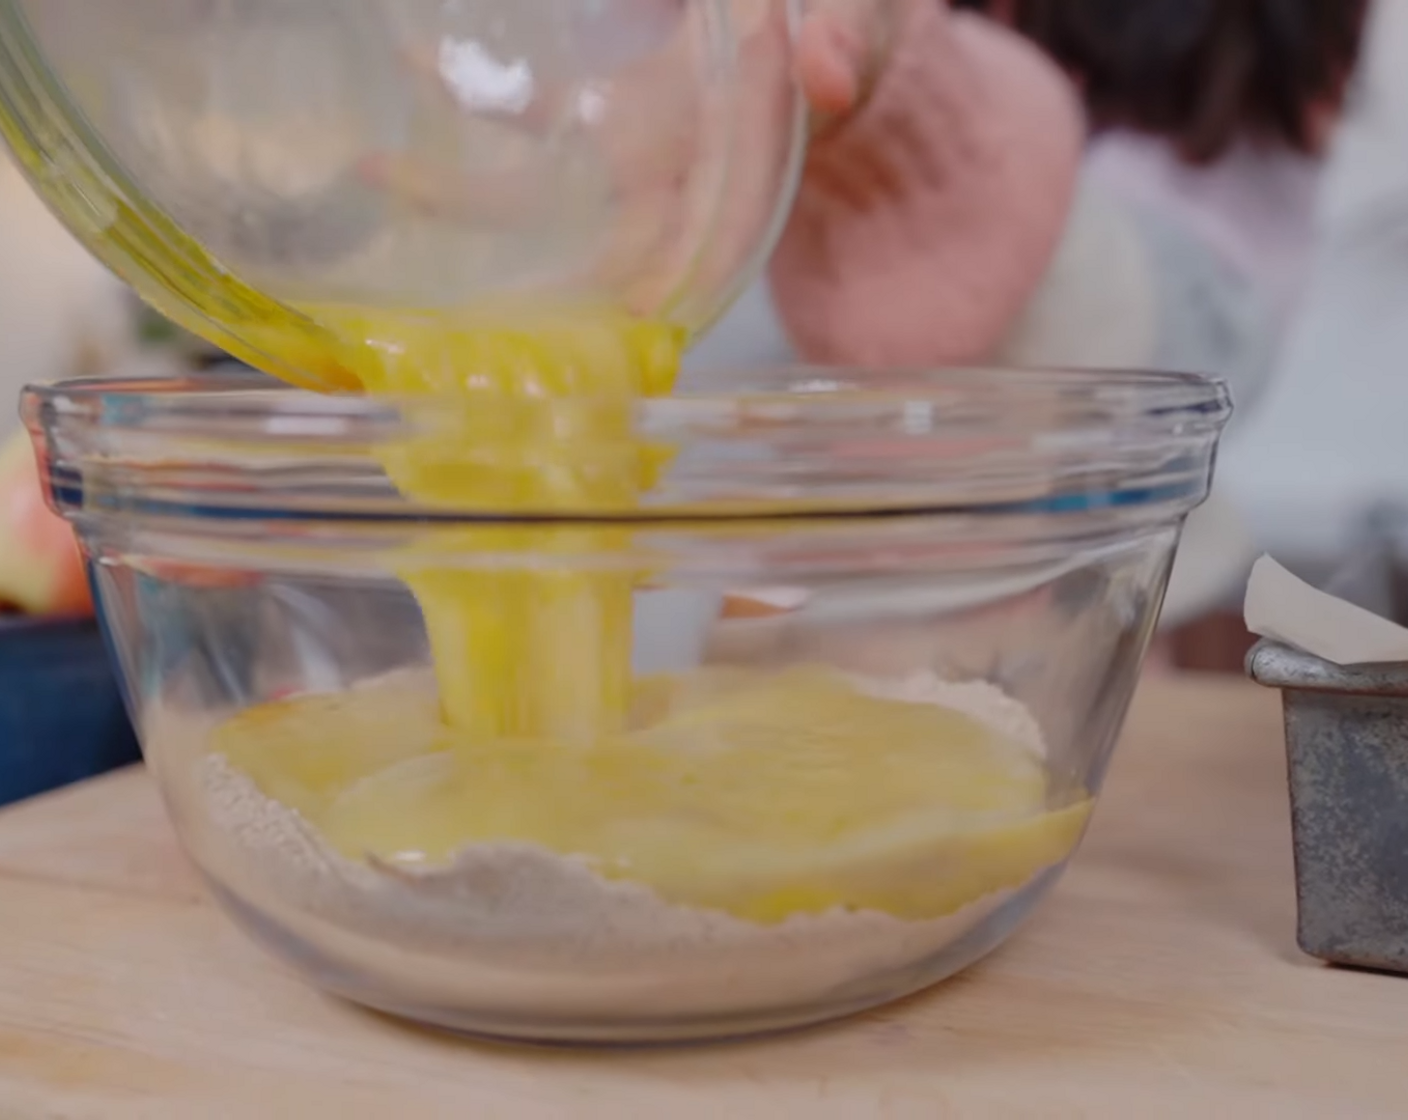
(1160, 979)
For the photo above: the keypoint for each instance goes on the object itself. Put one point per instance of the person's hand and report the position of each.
(840, 50)
(929, 215)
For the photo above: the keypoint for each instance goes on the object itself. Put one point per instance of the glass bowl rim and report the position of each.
(783, 441)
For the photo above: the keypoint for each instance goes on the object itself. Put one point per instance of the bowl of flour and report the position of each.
(508, 937)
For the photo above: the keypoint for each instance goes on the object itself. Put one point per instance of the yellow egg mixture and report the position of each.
(761, 794)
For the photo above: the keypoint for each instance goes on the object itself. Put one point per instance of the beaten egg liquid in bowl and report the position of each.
(764, 794)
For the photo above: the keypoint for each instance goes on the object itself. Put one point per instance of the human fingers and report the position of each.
(841, 47)
(830, 62)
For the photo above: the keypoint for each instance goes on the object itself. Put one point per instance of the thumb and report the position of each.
(840, 50)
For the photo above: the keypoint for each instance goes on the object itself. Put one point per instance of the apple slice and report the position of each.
(41, 568)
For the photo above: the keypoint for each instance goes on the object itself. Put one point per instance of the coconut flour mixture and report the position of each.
(539, 917)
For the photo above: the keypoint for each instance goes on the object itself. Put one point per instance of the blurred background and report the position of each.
(1318, 466)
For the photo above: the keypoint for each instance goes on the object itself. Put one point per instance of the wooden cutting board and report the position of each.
(1161, 979)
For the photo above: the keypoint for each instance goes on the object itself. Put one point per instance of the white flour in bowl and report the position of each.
(524, 927)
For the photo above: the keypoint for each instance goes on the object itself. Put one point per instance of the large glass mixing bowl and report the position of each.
(881, 632)
(245, 163)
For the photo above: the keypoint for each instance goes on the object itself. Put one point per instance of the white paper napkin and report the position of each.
(1286, 609)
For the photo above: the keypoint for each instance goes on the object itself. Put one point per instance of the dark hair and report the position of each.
(1203, 73)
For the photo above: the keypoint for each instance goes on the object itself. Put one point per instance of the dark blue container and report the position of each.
(61, 713)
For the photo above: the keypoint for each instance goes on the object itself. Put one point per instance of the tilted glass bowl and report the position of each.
(1001, 537)
(255, 169)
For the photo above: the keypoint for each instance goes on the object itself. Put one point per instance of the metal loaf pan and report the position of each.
(1347, 747)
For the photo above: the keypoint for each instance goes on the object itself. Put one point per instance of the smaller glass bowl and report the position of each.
(268, 163)
(999, 540)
